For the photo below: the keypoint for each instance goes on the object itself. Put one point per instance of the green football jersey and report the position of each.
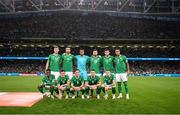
(67, 62)
(55, 61)
(109, 79)
(108, 63)
(48, 81)
(77, 81)
(120, 64)
(93, 80)
(63, 80)
(95, 63)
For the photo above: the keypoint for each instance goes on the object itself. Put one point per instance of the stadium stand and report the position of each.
(80, 27)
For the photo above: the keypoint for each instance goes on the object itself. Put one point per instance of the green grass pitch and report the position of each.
(147, 95)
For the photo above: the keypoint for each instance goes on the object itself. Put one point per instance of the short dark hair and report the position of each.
(106, 50)
(95, 50)
(117, 49)
(48, 70)
(92, 69)
(62, 70)
(107, 69)
(81, 49)
(56, 47)
(76, 70)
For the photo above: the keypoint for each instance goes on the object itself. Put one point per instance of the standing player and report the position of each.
(108, 61)
(109, 83)
(93, 83)
(53, 62)
(63, 84)
(47, 84)
(67, 62)
(77, 84)
(81, 61)
(122, 69)
(95, 62)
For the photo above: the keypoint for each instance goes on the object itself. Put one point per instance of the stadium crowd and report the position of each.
(84, 26)
(136, 67)
(129, 52)
(26, 66)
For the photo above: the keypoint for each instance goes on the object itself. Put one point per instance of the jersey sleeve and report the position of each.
(53, 83)
(82, 79)
(101, 60)
(114, 60)
(49, 57)
(88, 79)
(43, 80)
(74, 60)
(125, 59)
(98, 79)
(88, 60)
(72, 80)
(73, 56)
(52, 77)
(58, 80)
(62, 56)
(60, 59)
(104, 80)
(87, 57)
(113, 77)
(67, 77)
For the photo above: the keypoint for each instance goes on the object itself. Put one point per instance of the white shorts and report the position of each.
(70, 74)
(99, 75)
(121, 76)
(105, 74)
(56, 74)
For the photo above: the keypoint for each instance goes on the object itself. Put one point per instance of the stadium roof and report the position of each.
(136, 6)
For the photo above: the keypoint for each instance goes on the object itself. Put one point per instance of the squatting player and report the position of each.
(122, 69)
(95, 62)
(53, 62)
(81, 61)
(67, 62)
(47, 84)
(63, 84)
(109, 84)
(77, 84)
(93, 83)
